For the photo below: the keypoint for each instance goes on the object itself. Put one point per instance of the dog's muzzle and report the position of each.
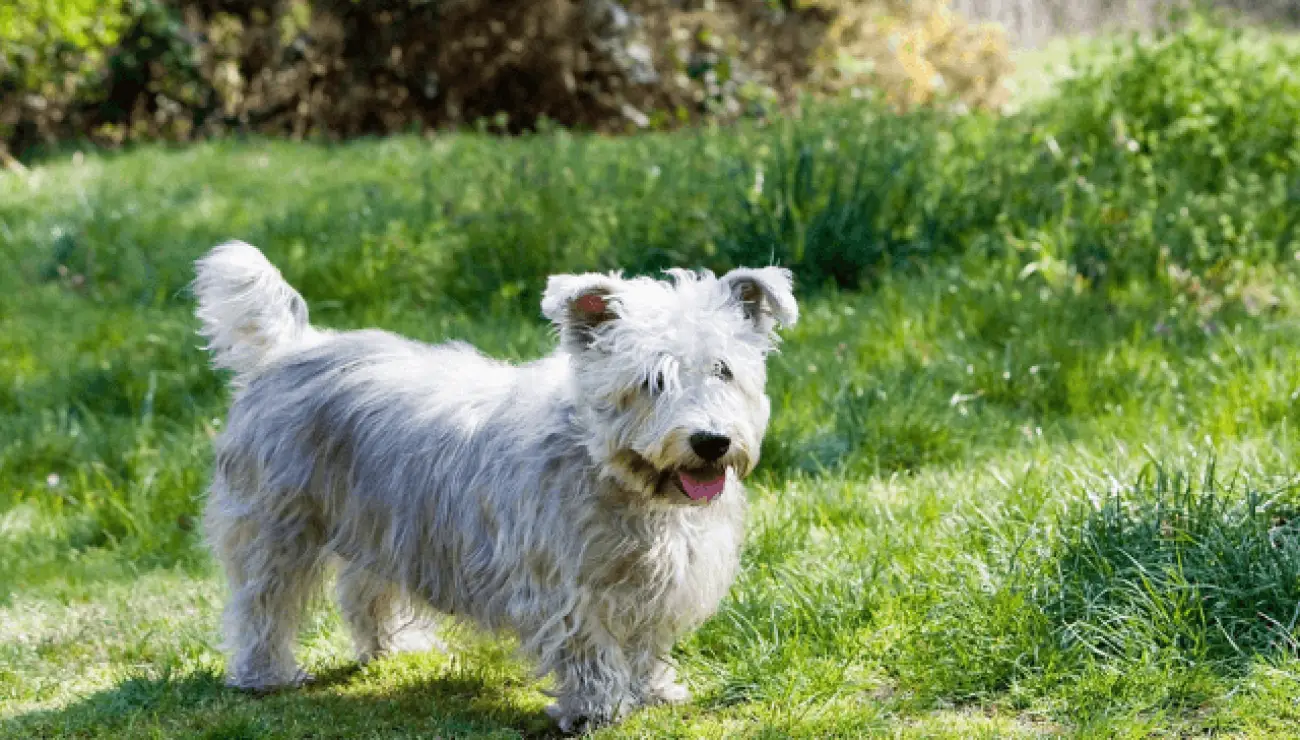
(697, 483)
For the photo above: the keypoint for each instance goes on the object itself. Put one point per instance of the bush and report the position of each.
(1202, 100)
(180, 69)
(39, 38)
(48, 50)
(1188, 147)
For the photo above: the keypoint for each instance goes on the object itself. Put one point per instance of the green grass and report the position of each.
(1029, 472)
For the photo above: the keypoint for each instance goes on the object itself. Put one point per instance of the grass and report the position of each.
(1029, 472)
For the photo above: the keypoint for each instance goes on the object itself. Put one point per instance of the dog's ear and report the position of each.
(765, 294)
(578, 305)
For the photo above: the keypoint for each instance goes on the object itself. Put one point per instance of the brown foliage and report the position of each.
(191, 68)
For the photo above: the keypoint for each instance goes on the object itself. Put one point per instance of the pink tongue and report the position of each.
(702, 489)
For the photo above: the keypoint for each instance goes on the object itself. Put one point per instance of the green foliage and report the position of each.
(1215, 105)
(1175, 154)
(1208, 100)
(41, 40)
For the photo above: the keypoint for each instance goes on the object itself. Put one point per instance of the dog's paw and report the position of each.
(570, 723)
(421, 637)
(406, 641)
(576, 722)
(668, 693)
(415, 640)
(263, 685)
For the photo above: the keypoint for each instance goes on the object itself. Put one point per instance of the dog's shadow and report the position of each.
(335, 705)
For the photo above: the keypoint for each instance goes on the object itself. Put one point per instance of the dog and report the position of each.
(590, 501)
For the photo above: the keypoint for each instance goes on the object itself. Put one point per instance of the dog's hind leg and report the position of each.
(273, 562)
(381, 616)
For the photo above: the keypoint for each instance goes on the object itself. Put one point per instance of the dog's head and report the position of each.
(670, 374)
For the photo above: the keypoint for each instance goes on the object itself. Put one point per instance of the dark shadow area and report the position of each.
(199, 705)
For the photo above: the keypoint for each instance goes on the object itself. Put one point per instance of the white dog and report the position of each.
(589, 501)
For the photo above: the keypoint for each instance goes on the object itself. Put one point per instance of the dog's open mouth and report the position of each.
(704, 484)
(701, 485)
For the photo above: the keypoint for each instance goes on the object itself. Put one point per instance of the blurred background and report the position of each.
(115, 71)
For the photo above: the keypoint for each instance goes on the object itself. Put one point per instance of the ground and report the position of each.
(1002, 495)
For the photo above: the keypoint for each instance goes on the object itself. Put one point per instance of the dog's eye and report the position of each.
(722, 370)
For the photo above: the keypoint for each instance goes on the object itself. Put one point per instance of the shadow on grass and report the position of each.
(199, 705)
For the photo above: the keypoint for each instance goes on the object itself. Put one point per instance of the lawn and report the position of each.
(1029, 472)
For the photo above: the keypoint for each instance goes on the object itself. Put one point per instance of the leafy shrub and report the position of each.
(1194, 127)
(48, 49)
(913, 52)
(180, 69)
(39, 38)
(1203, 100)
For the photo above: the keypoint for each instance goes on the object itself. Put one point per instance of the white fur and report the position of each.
(247, 310)
(541, 498)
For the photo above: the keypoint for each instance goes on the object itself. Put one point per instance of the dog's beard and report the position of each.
(687, 485)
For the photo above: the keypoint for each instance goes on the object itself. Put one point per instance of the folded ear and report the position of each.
(578, 305)
(765, 294)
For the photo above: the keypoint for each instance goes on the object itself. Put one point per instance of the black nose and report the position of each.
(710, 446)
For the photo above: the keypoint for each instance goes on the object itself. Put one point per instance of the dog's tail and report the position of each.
(247, 309)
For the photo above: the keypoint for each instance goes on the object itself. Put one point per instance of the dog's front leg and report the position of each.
(594, 685)
(656, 679)
(660, 686)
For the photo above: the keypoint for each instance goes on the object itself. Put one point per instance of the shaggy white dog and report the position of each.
(589, 501)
